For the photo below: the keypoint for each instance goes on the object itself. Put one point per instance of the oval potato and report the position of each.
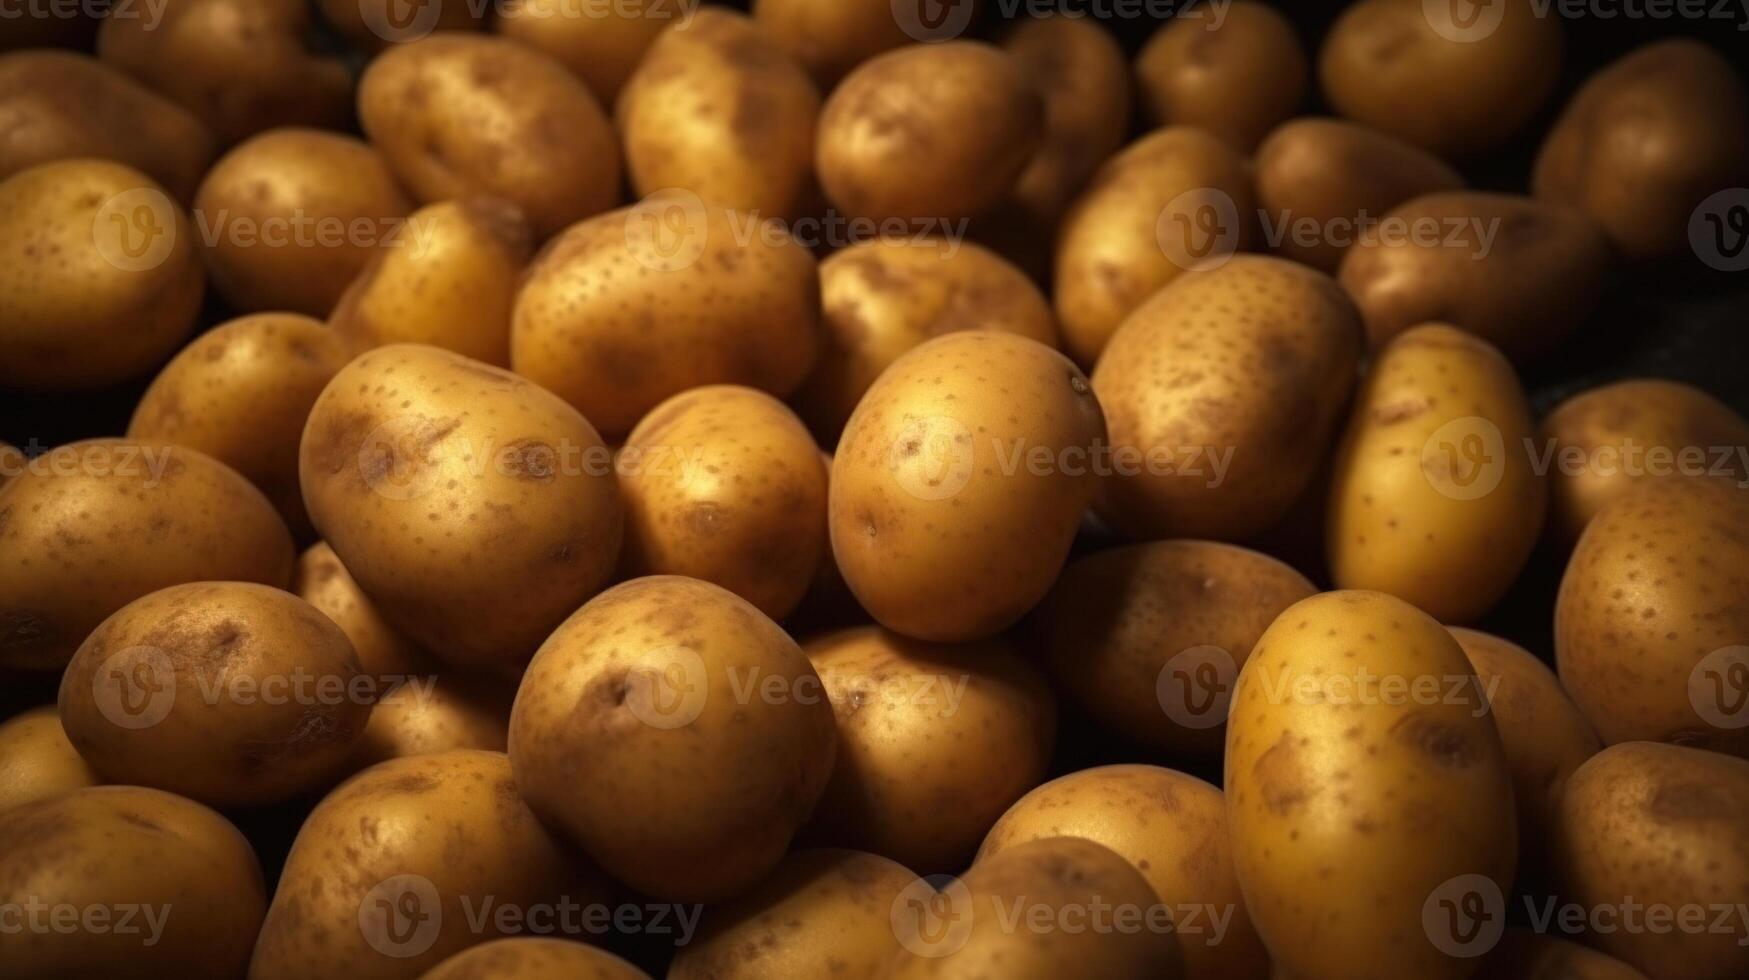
(602, 49)
(37, 761)
(1080, 72)
(1235, 73)
(383, 651)
(831, 37)
(436, 713)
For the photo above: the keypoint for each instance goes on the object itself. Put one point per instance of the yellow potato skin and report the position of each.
(1337, 789)
(1660, 825)
(115, 847)
(719, 108)
(321, 580)
(601, 50)
(1434, 498)
(1171, 827)
(534, 958)
(113, 525)
(821, 913)
(447, 279)
(940, 531)
(1525, 955)
(476, 509)
(934, 743)
(831, 37)
(1236, 80)
(436, 713)
(635, 734)
(85, 298)
(1251, 361)
(37, 761)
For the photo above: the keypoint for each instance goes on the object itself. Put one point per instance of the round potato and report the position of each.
(426, 715)
(534, 958)
(91, 526)
(459, 116)
(1223, 392)
(164, 886)
(383, 651)
(602, 49)
(1364, 781)
(290, 217)
(37, 761)
(831, 37)
(377, 24)
(1524, 955)
(1235, 72)
(677, 734)
(1150, 638)
(476, 509)
(960, 481)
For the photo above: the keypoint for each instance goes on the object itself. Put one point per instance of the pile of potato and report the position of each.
(563, 517)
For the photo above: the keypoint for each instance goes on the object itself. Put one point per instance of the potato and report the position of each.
(1519, 273)
(960, 481)
(12, 461)
(881, 298)
(240, 393)
(602, 49)
(535, 958)
(1525, 955)
(290, 217)
(1434, 498)
(719, 108)
(1170, 199)
(928, 132)
(1365, 784)
(934, 742)
(831, 37)
(458, 116)
(1447, 81)
(1649, 626)
(162, 885)
(821, 913)
(1171, 827)
(1647, 827)
(383, 651)
(723, 483)
(91, 526)
(1646, 140)
(474, 508)
(37, 761)
(99, 280)
(1222, 392)
(423, 842)
(431, 714)
(1321, 181)
(377, 24)
(242, 66)
(677, 734)
(447, 278)
(1235, 72)
(230, 693)
(56, 105)
(1149, 638)
(733, 310)
(1087, 913)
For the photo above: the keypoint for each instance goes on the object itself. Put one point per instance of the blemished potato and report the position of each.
(476, 509)
(230, 693)
(57, 105)
(1434, 498)
(291, 216)
(719, 108)
(448, 278)
(1235, 72)
(91, 526)
(321, 580)
(1363, 774)
(1320, 181)
(960, 481)
(425, 715)
(1058, 883)
(1607, 440)
(240, 393)
(928, 132)
(602, 49)
(177, 887)
(831, 37)
(724, 484)
(1526, 955)
(241, 66)
(99, 276)
(1222, 393)
(37, 761)
(1143, 221)
(458, 115)
(821, 913)
(935, 741)
(1517, 272)
(1647, 139)
(676, 734)
(882, 298)
(1428, 74)
(424, 841)
(1649, 626)
(1149, 638)
(732, 310)
(1171, 827)
(1648, 826)
(377, 24)
(534, 958)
